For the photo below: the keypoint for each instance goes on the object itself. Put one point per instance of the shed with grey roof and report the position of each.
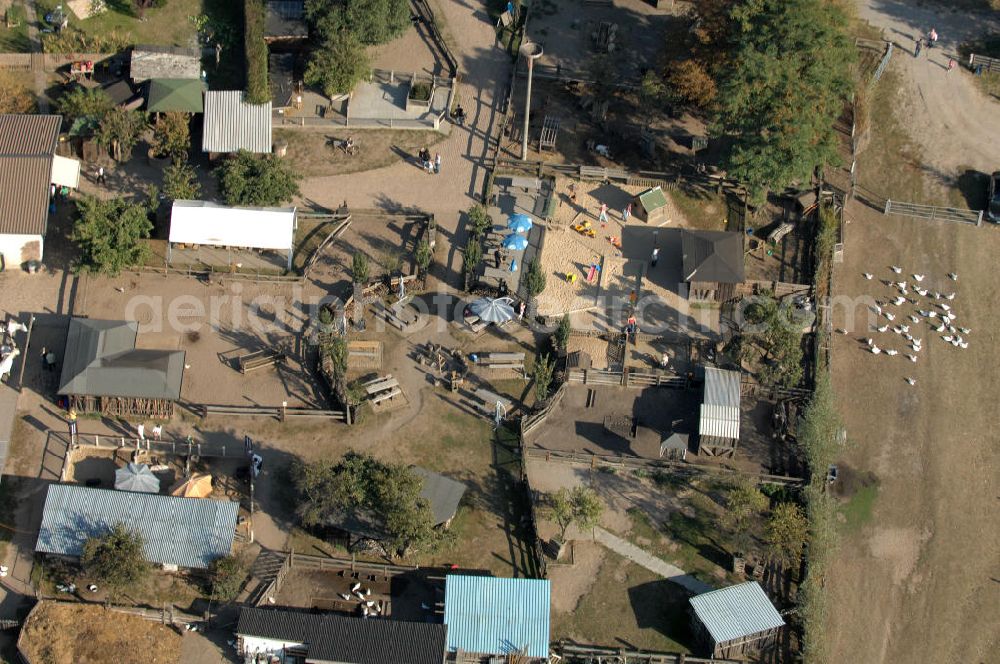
(736, 621)
(712, 264)
(176, 532)
(148, 62)
(233, 124)
(104, 372)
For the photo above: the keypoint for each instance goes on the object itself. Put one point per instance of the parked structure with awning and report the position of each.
(204, 223)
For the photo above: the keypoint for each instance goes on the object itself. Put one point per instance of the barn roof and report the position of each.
(175, 94)
(720, 408)
(736, 612)
(27, 145)
(497, 616)
(712, 256)
(233, 124)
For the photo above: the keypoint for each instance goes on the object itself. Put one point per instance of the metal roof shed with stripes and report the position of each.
(720, 408)
(736, 619)
(182, 532)
(497, 616)
(232, 124)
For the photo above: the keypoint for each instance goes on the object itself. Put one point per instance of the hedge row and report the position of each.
(258, 88)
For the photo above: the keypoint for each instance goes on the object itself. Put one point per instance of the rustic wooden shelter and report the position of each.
(103, 372)
(735, 622)
(712, 264)
(719, 418)
(650, 206)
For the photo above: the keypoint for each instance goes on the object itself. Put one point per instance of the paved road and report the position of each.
(955, 124)
(650, 562)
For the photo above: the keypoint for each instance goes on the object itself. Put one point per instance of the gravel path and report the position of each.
(650, 562)
(955, 124)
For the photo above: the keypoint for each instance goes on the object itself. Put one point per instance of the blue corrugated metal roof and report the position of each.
(187, 532)
(736, 612)
(495, 616)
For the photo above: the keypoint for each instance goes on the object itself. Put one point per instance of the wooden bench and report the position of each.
(520, 182)
(262, 358)
(386, 396)
(388, 316)
(381, 385)
(593, 173)
(489, 400)
(503, 357)
(510, 365)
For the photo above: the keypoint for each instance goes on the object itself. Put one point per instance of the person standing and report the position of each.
(916, 47)
(626, 212)
(72, 426)
(951, 65)
(100, 175)
(656, 256)
(603, 215)
(141, 430)
(520, 311)
(932, 38)
(437, 163)
(157, 431)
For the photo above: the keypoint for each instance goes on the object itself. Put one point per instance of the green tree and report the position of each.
(744, 503)
(119, 131)
(544, 366)
(472, 255)
(773, 332)
(423, 256)
(81, 102)
(361, 487)
(227, 575)
(479, 221)
(115, 559)
(180, 182)
(581, 506)
(786, 533)
(359, 269)
(172, 135)
(534, 279)
(110, 234)
(338, 354)
(338, 64)
(377, 21)
(263, 181)
(562, 332)
(784, 88)
(255, 51)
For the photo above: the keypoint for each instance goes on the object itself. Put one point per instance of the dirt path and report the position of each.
(955, 124)
(921, 576)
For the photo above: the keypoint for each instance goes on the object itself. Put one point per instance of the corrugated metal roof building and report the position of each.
(27, 148)
(496, 616)
(186, 532)
(736, 620)
(232, 124)
(719, 418)
(333, 638)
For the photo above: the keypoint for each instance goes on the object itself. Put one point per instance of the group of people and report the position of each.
(430, 166)
(931, 40)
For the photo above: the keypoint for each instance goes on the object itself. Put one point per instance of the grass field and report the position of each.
(170, 25)
(309, 152)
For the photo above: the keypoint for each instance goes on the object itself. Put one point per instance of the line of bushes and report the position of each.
(254, 17)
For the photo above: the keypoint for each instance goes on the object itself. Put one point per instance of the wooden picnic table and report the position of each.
(520, 182)
(502, 357)
(381, 385)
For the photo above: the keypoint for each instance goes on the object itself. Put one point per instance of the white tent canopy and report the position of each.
(201, 222)
(65, 172)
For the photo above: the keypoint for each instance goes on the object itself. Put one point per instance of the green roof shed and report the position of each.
(175, 94)
(651, 205)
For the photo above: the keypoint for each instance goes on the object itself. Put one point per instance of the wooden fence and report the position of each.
(531, 422)
(578, 653)
(988, 64)
(627, 378)
(595, 461)
(934, 212)
(281, 413)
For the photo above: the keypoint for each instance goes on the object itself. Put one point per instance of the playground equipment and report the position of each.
(585, 229)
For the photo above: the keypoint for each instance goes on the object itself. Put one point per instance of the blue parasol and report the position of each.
(520, 223)
(515, 242)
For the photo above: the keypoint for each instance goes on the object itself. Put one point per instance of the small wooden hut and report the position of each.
(103, 372)
(650, 206)
(712, 264)
(735, 622)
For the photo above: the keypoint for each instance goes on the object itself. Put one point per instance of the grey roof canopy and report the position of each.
(187, 532)
(101, 360)
(712, 256)
(736, 612)
(442, 493)
(331, 637)
(164, 62)
(27, 145)
(136, 477)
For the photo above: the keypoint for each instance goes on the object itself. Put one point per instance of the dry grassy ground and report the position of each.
(59, 634)
(917, 580)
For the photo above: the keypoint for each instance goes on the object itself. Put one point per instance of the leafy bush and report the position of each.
(249, 179)
(172, 135)
(420, 91)
(115, 558)
(338, 64)
(258, 87)
(180, 183)
(110, 234)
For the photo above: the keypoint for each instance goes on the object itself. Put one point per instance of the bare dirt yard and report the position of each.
(919, 552)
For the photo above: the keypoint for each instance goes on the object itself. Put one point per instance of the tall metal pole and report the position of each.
(527, 110)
